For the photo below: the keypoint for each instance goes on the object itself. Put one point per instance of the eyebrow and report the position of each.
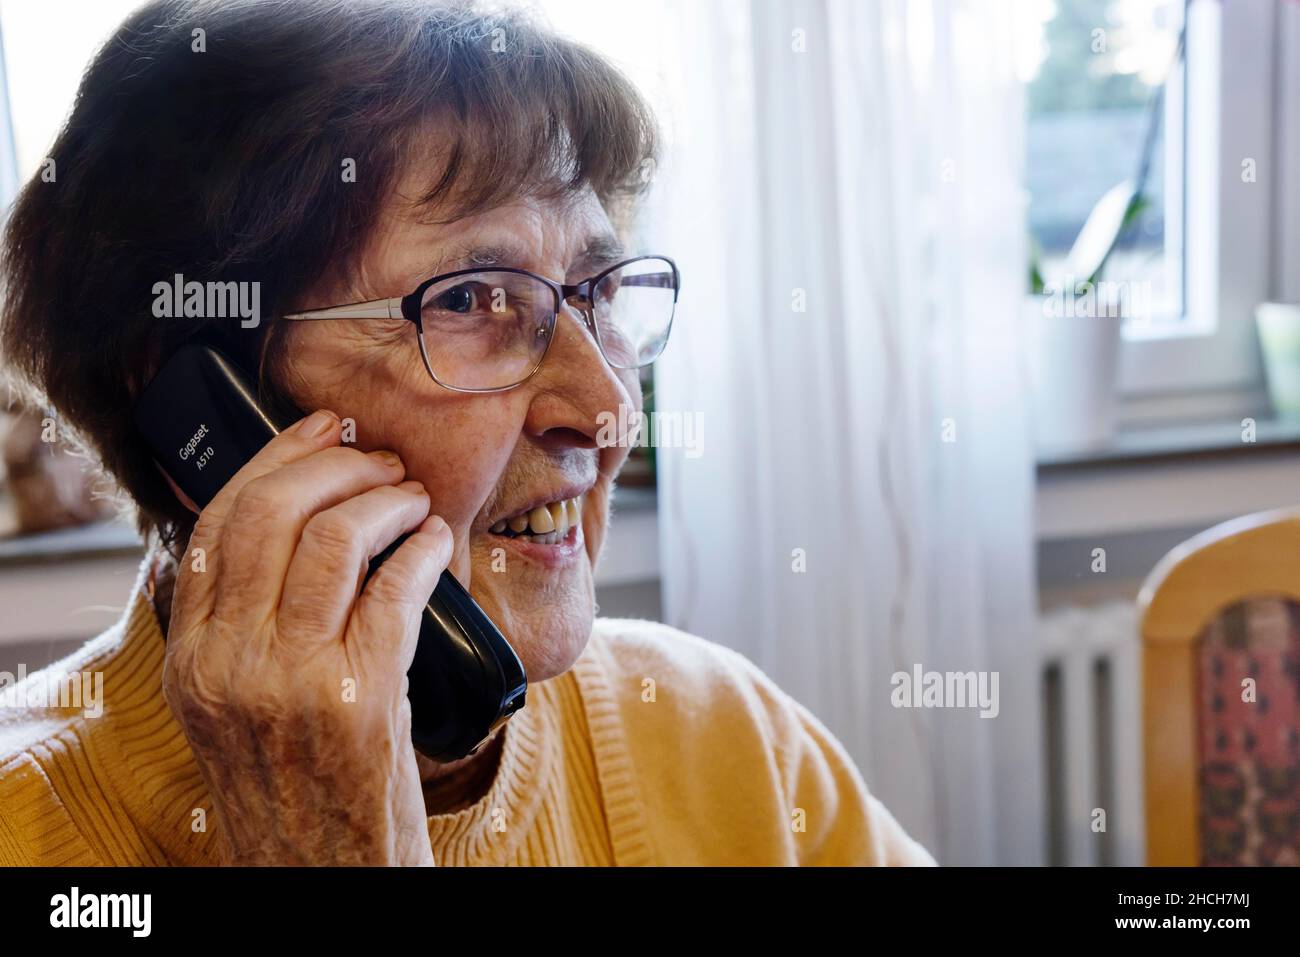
(599, 251)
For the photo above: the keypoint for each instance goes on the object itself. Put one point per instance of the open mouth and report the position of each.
(544, 525)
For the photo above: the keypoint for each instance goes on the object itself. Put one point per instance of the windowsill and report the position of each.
(109, 539)
(1161, 479)
(1175, 442)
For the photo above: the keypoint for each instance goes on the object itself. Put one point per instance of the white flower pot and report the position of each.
(1075, 372)
(1279, 340)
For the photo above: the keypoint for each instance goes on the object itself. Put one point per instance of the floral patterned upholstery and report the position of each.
(1250, 749)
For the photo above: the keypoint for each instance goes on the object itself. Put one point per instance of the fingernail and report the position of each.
(388, 458)
(318, 423)
(411, 485)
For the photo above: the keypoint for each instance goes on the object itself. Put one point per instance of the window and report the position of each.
(1097, 119)
(46, 48)
(1206, 238)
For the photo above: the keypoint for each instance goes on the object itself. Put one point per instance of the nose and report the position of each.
(577, 394)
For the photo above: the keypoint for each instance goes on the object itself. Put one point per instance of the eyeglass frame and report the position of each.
(408, 308)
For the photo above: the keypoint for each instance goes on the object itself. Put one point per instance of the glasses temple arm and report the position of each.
(374, 309)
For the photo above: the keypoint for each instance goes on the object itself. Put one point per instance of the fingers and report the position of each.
(334, 552)
(263, 529)
(393, 600)
(310, 434)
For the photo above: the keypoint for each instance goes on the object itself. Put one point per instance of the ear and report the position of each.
(176, 490)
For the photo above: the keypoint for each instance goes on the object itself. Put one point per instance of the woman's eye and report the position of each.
(456, 299)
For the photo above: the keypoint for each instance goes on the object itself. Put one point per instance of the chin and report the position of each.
(536, 581)
(545, 612)
(549, 648)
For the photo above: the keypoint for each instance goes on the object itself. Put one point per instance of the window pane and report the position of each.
(46, 48)
(1091, 100)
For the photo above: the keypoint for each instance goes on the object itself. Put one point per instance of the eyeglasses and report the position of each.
(488, 330)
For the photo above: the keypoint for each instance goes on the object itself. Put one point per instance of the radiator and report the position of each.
(1090, 669)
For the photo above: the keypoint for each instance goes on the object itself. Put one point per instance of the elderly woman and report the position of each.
(329, 153)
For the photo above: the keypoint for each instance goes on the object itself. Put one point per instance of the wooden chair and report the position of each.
(1223, 773)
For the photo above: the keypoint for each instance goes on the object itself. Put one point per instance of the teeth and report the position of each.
(540, 520)
(547, 524)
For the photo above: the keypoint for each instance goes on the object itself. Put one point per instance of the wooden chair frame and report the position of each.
(1257, 556)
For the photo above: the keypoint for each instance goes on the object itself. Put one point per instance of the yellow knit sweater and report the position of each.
(655, 748)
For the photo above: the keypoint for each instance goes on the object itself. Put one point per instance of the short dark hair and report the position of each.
(226, 165)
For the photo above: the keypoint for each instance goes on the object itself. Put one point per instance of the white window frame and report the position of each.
(8, 150)
(1232, 114)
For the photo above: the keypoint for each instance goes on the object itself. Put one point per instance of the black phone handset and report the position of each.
(201, 417)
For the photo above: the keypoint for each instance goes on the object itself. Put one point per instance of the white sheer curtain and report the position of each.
(867, 157)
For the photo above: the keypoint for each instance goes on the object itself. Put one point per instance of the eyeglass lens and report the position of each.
(490, 329)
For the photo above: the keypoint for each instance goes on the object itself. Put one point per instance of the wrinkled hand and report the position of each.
(286, 675)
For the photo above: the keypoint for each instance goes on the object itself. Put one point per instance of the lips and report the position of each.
(546, 524)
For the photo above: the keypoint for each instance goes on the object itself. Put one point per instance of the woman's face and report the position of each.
(488, 457)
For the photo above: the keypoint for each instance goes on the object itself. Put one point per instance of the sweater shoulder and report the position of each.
(638, 640)
(701, 683)
(712, 744)
(43, 726)
(732, 769)
(638, 647)
(38, 708)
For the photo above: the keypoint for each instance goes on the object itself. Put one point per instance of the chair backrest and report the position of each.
(1248, 737)
(1220, 624)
